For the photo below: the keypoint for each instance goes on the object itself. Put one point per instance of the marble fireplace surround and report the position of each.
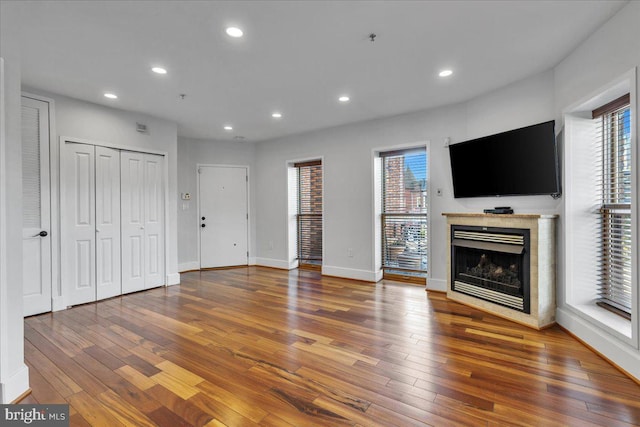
(542, 265)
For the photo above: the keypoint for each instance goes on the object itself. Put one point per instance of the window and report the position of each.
(404, 213)
(614, 146)
(309, 215)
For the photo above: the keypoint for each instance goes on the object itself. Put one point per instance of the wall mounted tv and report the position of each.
(515, 163)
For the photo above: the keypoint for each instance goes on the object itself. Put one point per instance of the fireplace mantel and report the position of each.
(542, 265)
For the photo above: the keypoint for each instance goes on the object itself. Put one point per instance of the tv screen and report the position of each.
(518, 162)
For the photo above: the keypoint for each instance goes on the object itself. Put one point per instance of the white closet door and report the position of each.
(36, 218)
(133, 221)
(153, 221)
(78, 222)
(108, 275)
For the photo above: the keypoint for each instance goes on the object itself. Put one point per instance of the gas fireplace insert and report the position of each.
(492, 263)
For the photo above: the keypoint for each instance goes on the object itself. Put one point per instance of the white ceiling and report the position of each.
(295, 57)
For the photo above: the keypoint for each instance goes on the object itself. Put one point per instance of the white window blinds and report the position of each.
(309, 215)
(404, 211)
(615, 231)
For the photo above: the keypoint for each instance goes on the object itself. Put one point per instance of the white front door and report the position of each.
(223, 216)
(77, 214)
(36, 210)
(108, 276)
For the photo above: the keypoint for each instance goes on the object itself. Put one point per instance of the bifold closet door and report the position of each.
(90, 240)
(108, 273)
(142, 207)
(154, 221)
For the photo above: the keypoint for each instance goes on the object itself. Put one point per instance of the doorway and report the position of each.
(36, 207)
(223, 216)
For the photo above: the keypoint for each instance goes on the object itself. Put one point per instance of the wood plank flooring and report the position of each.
(257, 346)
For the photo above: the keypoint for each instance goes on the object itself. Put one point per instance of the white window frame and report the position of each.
(580, 246)
(376, 243)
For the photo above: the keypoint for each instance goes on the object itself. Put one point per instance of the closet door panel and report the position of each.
(78, 222)
(132, 221)
(108, 264)
(154, 221)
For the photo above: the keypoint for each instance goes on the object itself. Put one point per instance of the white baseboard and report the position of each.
(173, 279)
(379, 275)
(623, 355)
(14, 386)
(437, 285)
(252, 260)
(350, 273)
(274, 263)
(188, 266)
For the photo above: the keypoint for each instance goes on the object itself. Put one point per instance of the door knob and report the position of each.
(42, 234)
(203, 225)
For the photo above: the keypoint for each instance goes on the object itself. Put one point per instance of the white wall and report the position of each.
(101, 124)
(14, 374)
(192, 152)
(606, 55)
(348, 189)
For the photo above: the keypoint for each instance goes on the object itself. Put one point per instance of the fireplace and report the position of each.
(503, 264)
(492, 263)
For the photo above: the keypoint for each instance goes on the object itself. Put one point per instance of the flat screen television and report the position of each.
(514, 163)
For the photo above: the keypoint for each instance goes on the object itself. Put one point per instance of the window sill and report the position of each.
(612, 323)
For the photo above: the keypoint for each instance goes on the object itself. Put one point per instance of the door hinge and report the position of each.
(247, 254)
(246, 178)
(247, 216)
(199, 170)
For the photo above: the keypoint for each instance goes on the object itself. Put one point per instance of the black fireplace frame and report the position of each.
(526, 261)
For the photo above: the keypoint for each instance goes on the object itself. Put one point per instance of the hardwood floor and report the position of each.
(256, 346)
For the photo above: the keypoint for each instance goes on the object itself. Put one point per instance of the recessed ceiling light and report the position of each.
(111, 95)
(159, 70)
(276, 115)
(234, 32)
(228, 127)
(445, 73)
(344, 98)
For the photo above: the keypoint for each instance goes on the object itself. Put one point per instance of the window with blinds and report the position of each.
(404, 212)
(309, 216)
(614, 150)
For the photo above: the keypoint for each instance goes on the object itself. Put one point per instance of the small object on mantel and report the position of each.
(499, 210)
